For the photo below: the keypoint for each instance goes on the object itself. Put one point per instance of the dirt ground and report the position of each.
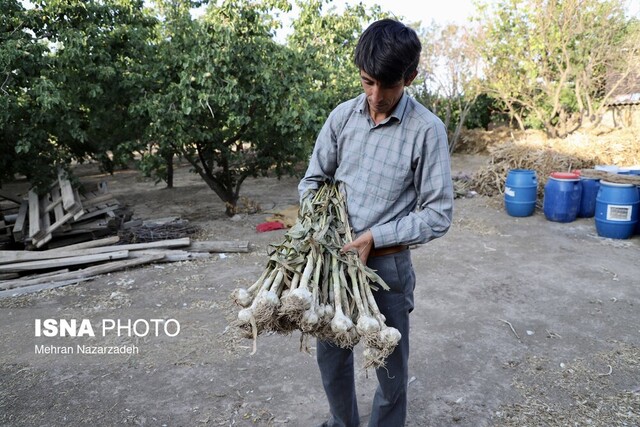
(518, 322)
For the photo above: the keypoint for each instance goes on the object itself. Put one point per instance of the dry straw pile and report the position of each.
(532, 150)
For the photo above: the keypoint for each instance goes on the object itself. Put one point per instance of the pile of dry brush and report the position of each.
(533, 151)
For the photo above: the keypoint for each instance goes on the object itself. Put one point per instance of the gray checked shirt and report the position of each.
(396, 175)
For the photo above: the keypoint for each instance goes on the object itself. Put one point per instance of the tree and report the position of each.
(603, 67)
(105, 80)
(96, 45)
(24, 146)
(68, 85)
(546, 59)
(449, 80)
(234, 102)
(228, 98)
(325, 39)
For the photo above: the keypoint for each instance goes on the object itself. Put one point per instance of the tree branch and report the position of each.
(4, 84)
(208, 169)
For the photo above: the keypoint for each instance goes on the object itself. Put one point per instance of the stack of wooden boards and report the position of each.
(64, 215)
(72, 226)
(84, 261)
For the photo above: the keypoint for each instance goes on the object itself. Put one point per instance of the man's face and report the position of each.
(381, 98)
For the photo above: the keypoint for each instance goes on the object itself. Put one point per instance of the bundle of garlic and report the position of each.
(310, 285)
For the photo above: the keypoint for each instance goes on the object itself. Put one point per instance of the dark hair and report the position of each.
(388, 51)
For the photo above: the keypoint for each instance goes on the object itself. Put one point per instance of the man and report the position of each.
(390, 155)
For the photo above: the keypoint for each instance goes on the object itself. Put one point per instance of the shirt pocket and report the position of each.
(388, 174)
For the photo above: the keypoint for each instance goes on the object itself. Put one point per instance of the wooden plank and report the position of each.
(62, 262)
(92, 201)
(56, 198)
(11, 197)
(5, 276)
(85, 272)
(36, 288)
(87, 227)
(171, 255)
(18, 227)
(68, 195)
(159, 244)
(59, 222)
(45, 223)
(219, 246)
(80, 211)
(86, 245)
(10, 218)
(34, 215)
(171, 243)
(98, 212)
(45, 274)
(53, 227)
(43, 240)
(12, 257)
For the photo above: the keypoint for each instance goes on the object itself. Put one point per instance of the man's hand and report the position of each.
(362, 245)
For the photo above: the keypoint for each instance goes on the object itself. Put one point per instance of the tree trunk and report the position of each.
(519, 120)
(169, 159)
(456, 134)
(231, 207)
(227, 195)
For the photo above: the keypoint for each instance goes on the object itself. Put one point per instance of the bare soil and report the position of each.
(518, 321)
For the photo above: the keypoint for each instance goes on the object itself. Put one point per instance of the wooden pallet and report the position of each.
(47, 212)
(97, 204)
(5, 233)
(63, 212)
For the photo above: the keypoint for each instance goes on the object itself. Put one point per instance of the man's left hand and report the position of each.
(363, 245)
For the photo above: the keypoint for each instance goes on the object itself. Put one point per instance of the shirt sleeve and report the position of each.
(432, 179)
(324, 161)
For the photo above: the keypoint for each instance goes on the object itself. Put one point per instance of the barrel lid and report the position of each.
(566, 176)
(522, 170)
(607, 168)
(615, 184)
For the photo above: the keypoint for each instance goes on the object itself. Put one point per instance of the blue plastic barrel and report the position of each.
(588, 196)
(616, 210)
(635, 170)
(562, 194)
(521, 192)
(638, 223)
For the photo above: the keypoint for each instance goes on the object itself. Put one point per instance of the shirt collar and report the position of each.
(397, 113)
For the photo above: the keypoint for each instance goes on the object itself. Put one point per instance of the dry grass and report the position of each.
(532, 150)
(474, 141)
(600, 390)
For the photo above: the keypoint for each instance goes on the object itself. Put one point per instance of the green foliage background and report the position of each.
(116, 81)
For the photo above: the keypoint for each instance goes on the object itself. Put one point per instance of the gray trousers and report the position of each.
(336, 364)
